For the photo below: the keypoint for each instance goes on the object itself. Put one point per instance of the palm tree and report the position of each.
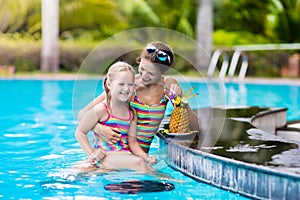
(77, 14)
(50, 34)
(204, 33)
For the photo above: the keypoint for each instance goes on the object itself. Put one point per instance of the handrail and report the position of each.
(214, 61)
(224, 66)
(264, 47)
(234, 61)
(236, 55)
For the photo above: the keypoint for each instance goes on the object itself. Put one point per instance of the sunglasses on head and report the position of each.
(160, 55)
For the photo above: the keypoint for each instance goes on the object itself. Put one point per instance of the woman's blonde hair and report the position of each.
(113, 74)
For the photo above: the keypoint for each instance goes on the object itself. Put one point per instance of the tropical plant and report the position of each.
(171, 14)
(242, 15)
(20, 16)
(98, 17)
(287, 26)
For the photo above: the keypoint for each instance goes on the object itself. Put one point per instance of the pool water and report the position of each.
(38, 145)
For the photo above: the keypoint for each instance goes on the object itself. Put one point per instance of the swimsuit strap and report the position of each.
(130, 114)
(107, 111)
(111, 115)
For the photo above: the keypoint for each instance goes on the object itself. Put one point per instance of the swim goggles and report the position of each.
(160, 55)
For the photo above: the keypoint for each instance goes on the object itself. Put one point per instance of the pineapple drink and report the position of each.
(179, 121)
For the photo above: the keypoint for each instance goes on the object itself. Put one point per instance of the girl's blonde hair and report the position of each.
(113, 74)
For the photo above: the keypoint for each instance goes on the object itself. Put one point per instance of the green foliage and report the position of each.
(84, 23)
(72, 55)
(87, 14)
(277, 19)
(24, 53)
(21, 53)
(242, 15)
(171, 14)
(20, 16)
(288, 20)
(267, 64)
(223, 38)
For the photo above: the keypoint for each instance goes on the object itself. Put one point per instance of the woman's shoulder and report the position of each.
(170, 80)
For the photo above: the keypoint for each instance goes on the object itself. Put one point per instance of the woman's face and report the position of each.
(149, 72)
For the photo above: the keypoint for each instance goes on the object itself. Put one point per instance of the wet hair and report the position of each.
(113, 74)
(163, 65)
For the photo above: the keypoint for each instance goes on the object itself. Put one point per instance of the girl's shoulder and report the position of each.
(101, 107)
(101, 110)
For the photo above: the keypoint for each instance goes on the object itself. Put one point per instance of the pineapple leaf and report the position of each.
(187, 95)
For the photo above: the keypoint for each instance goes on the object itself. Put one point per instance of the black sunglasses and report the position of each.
(162, 56)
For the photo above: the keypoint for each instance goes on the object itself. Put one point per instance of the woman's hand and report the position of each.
(110, 135)
(174, 90)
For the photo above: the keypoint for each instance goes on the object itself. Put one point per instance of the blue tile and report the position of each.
(292, 190)
(250, 182)
(277, 184)
(263, 184)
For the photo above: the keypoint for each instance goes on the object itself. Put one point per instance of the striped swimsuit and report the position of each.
(115, 122)
(148, 119)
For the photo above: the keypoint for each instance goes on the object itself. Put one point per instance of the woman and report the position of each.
(151, 95)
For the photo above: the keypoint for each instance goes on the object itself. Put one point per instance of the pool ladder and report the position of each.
(224, 67)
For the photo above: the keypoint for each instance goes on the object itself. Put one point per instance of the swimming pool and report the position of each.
(38, 144)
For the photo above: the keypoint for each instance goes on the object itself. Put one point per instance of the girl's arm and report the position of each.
(91, 105)
(134, 146)
(107, 133)
(86, 124)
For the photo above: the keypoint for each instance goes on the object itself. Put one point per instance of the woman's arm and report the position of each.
(134, 146)
(108, 134)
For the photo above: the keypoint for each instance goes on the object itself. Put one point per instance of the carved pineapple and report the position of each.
(179, 121)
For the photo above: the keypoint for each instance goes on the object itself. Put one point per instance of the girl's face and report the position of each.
(149, 72)
(122, 87)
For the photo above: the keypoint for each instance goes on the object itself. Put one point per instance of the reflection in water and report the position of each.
(50, 102)
(236, 94)
(135, 187)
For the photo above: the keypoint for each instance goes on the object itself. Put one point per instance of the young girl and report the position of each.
(151, 94)
(116, 113)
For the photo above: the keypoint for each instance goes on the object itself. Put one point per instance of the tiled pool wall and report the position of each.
(248, 179)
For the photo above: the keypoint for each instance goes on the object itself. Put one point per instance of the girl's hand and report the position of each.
(151, 160)
(109, 134)
(97, 155)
